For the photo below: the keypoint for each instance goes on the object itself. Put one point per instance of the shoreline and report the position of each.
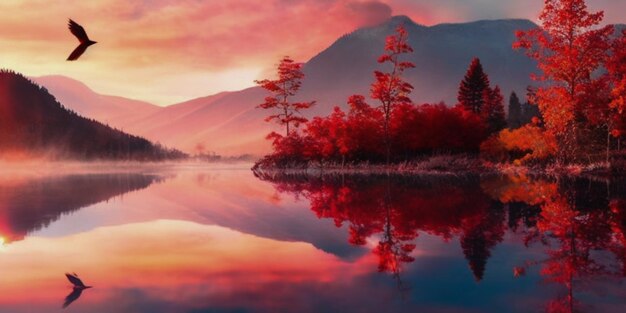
(447, 166)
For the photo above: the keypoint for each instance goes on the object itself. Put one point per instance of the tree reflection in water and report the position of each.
(580, 222)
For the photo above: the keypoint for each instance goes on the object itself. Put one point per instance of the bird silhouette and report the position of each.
(85, 42)
(73, 278)
(73, 296)
(77, 290)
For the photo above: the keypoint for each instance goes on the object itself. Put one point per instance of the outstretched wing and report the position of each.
(74, 280)
(78, 31)
(77, 52)
(73, 296)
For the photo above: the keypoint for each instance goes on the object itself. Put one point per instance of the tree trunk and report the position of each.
(387, 137)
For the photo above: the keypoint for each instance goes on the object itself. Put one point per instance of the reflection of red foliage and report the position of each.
(571, 233)
(396, 209)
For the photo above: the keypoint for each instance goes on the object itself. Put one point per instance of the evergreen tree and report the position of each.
(529, 111)
(492, 112)
(515, 111)
(473, 87)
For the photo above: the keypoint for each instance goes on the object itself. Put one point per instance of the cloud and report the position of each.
(142, 43)
(368, 13)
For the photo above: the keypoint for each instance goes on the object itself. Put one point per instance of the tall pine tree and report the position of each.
(473, 87)
(515, 111)
(492, 112)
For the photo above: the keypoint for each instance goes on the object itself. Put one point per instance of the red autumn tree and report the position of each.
(492, 112)
(617, 69)
(283, 89)
(390, 89)
(569, 48)
(473, 87)
(328, 137)
(617, 72)
(365, 140)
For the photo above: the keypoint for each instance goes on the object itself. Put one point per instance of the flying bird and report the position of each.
(73, 296)
(79, 286)
(85, 42)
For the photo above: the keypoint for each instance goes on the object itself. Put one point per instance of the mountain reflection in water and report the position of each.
(221, 240)
(31, 203)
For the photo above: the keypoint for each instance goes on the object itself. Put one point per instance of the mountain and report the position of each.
(442, 54)
(34, 124)
(229, 123)
(156, 125)
(113, 110)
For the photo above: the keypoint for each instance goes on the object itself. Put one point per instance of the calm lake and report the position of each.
(185, 238)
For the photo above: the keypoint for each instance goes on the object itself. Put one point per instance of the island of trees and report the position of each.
(573, 118)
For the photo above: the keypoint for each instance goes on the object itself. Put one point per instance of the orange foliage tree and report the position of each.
(569, 48)
(530, 142)
(289, 81)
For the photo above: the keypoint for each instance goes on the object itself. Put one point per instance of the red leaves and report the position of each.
(287, 85)
(569, 50)
(413, 130)
(529, 141)
(389, 88)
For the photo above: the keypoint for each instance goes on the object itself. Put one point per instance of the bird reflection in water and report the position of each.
(77, 289)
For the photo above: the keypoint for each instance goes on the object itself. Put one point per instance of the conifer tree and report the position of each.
(473, 87)
(515, 112)
(492, 112)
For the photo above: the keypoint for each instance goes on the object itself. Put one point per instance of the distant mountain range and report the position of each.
(34, 124)
(229, 123)
(84, 101)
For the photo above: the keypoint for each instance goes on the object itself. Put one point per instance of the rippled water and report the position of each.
(207, 239)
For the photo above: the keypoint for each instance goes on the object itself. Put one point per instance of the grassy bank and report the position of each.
(448, 165)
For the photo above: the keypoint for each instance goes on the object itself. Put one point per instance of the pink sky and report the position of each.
(166, 51)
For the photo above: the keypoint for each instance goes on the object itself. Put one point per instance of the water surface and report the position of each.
(219, 239)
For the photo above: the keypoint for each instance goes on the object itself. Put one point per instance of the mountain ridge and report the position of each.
(231, 124)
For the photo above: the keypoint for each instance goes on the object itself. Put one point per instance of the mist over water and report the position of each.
(215, 238)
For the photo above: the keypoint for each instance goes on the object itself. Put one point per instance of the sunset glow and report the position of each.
(168, 51)
(312, 156)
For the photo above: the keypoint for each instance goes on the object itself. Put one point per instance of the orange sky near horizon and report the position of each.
(167, 51)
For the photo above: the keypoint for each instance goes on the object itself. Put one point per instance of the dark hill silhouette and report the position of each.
(33, 122)
(28, 205)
